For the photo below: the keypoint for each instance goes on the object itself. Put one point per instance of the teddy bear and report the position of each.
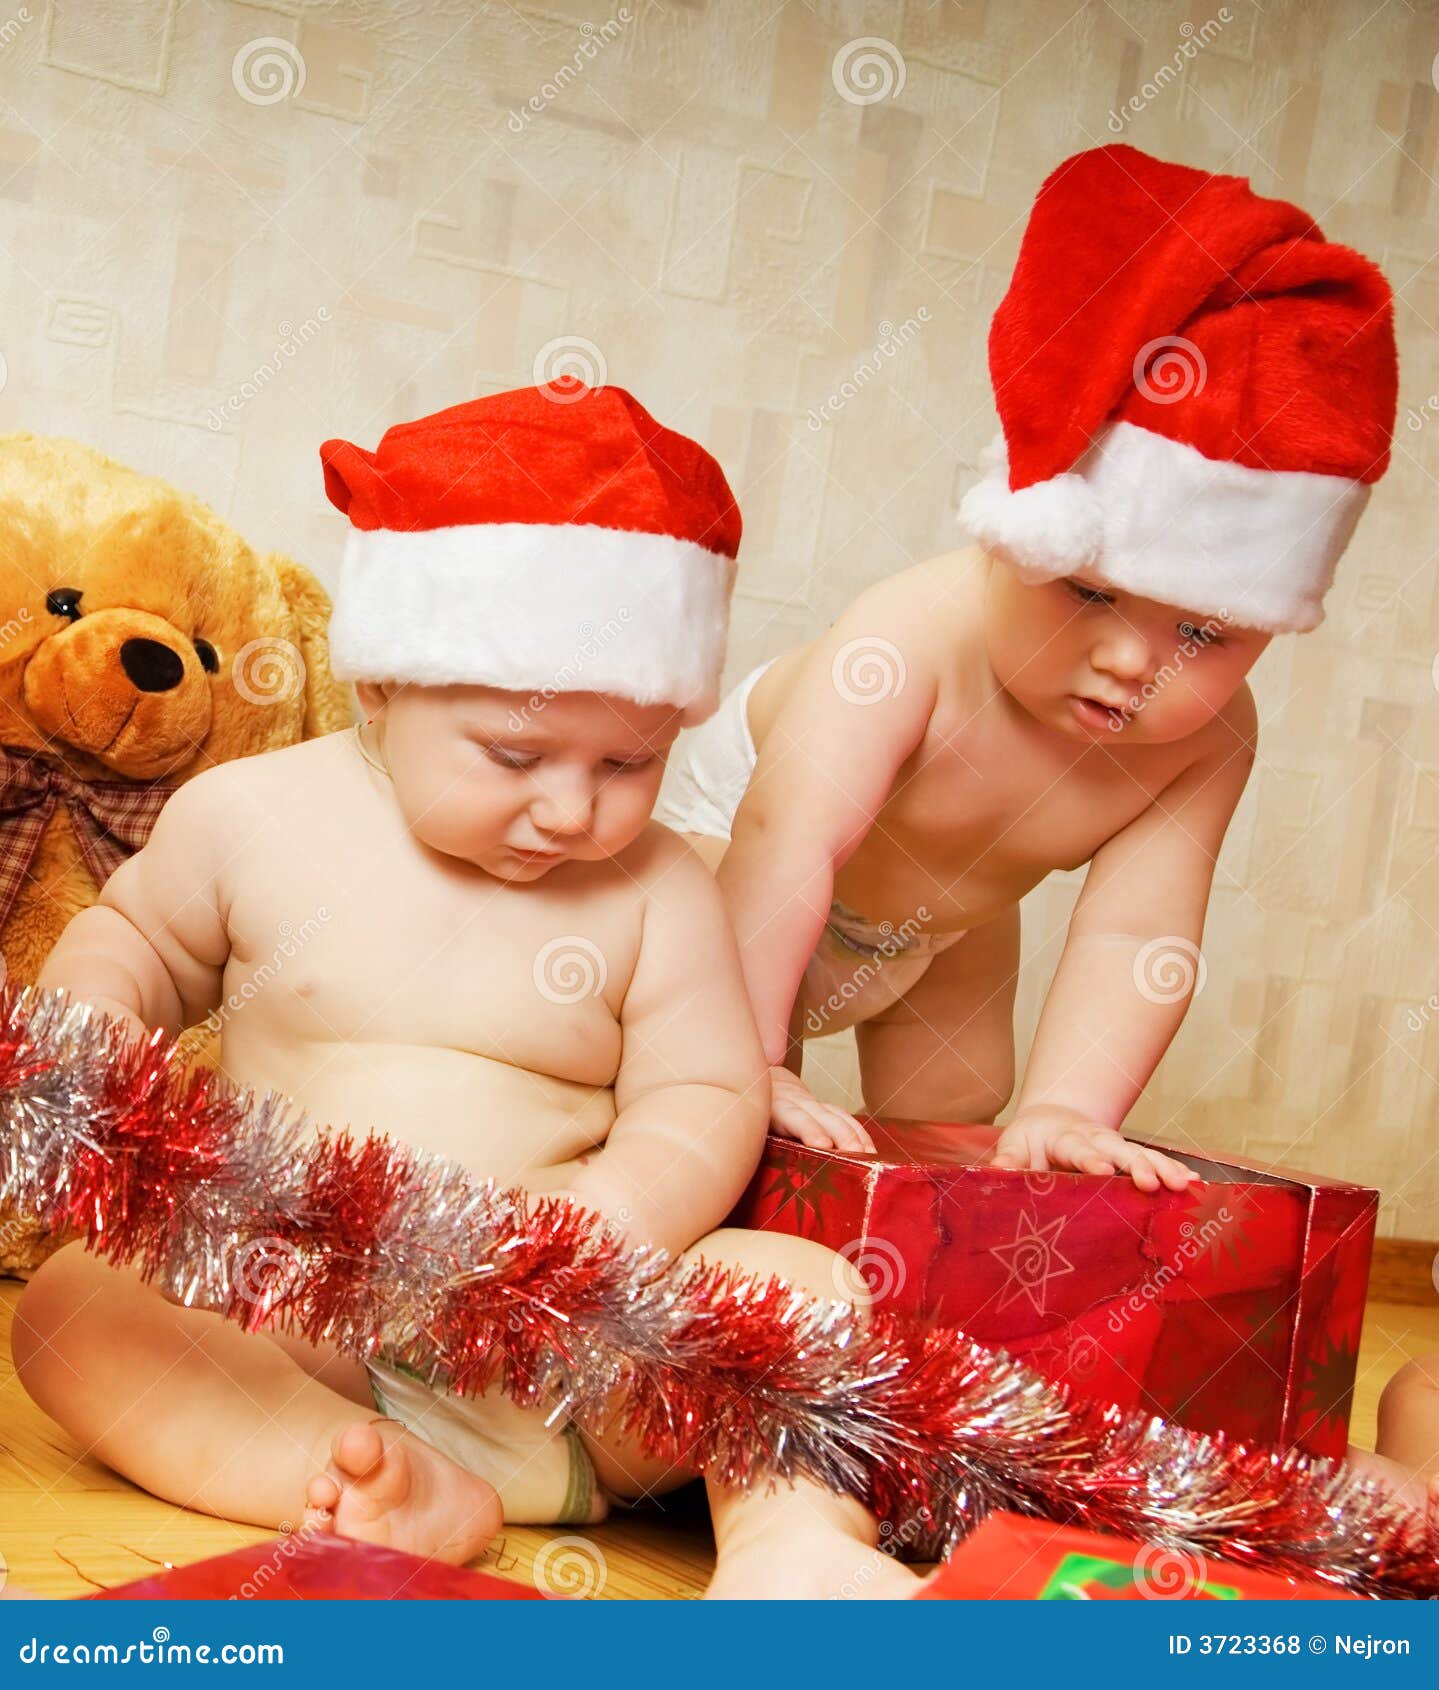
(141, 640)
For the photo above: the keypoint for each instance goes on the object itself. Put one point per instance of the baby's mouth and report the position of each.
(1096, 712)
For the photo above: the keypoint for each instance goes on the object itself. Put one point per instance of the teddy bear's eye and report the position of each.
(64, 601)
(209, 658)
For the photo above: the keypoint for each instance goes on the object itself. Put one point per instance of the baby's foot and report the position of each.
(823, 1564)
(384, 1485)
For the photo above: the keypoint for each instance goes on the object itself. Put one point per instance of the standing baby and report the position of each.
(1197, 391)
(498, 966)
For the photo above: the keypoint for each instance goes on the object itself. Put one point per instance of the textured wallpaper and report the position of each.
(231, 230)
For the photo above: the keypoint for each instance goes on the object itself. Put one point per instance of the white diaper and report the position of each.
(709, 768)
(543, 1472)
(859, 966)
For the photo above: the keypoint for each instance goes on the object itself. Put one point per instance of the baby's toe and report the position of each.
(321, 1496)
(358, 1450)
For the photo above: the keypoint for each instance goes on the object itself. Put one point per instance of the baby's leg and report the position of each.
(197, 1411)
(798, 1540)
(1409, 1417)
(945, 1050)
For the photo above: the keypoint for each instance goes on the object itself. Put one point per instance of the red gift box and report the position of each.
(1235, 1306)
(317, 1566)
(1015, 1558)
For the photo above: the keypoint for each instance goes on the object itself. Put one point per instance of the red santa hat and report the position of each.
(1196, 390)
(550, 538)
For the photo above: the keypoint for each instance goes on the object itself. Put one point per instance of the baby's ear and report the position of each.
(372, 696)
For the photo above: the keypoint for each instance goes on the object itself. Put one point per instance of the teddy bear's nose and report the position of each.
(151, 666)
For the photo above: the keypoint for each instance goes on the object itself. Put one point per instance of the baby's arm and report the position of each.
(692, 1092)
(858, 709)
(151, 950)
(1129, 968)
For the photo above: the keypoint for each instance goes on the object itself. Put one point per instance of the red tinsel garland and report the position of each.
(232, 1202)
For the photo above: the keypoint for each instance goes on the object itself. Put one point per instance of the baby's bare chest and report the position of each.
(977, 818)
(376, 946)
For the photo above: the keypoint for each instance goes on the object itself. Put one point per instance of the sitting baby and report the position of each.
(458, 923)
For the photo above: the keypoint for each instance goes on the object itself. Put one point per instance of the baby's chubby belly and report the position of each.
(499, 1120)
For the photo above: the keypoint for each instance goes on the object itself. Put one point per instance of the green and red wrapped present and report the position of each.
(1234, 1306)
(1011, 1557)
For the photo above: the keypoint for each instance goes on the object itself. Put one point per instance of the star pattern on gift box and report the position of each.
(790, 1181)
(1033, 1260)
(1219, 1214)
(1329, 1380)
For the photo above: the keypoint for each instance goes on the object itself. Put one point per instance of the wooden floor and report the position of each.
(69, 1526)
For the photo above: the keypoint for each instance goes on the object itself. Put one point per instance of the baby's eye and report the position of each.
(1088, 595)
(1193, 633)
(623, 765)
(511, 759)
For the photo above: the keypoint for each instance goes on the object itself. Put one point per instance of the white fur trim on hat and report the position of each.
(1154, 516)
(535, 607)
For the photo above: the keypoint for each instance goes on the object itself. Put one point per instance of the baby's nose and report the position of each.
(153, 667)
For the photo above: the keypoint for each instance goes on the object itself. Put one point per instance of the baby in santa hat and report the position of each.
(1197, 391)
(466, 932)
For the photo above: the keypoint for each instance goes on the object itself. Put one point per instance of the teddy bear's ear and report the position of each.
(329, 704)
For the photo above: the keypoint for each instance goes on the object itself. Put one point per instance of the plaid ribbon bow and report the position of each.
(112, 819)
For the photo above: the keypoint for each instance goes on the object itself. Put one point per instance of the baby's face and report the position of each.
(516, 784)
(1066, 649)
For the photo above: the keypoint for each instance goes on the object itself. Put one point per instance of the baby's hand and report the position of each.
(1052, 1136)
(795, 1112)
